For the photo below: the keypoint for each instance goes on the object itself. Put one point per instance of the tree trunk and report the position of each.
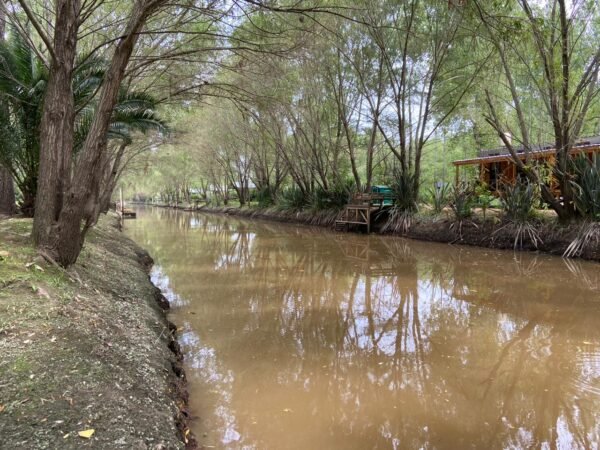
(7, 193)
(57, 125)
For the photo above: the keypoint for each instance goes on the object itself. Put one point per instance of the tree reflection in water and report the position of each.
(301, 338)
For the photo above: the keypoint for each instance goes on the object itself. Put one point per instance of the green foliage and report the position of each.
(405, 191)
(264, 197)
(292, 198)
(518, 202)
(439, 197)
(587, 186)
(23, 80)
(485, 199)
(462, 201)
(335, 198)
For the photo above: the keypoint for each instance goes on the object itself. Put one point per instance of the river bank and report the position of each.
(88, 357)
(550, 237)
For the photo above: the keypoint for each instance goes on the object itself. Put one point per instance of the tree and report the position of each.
(66, 205)
(554, 45)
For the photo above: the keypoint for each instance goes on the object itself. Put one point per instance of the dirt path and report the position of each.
(88, 349)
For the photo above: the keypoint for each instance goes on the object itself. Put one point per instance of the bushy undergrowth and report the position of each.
(405, 194)
(264, 197)
(462, 200)
(320, 199)
(291, 198)
(335, 198)
(587, 187)
(438, 197)
(519, 202)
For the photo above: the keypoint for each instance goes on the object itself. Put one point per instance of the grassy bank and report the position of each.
(85, 349)
(550, 236)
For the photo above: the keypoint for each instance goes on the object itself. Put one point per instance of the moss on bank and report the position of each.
(87, 348)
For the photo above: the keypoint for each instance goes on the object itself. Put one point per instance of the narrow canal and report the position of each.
(300, 338)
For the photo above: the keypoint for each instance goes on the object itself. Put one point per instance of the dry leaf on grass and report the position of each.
(86, 433)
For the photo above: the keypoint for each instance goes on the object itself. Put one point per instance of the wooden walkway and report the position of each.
(360, 211)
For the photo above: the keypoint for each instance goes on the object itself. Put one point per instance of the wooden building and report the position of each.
(497, 168)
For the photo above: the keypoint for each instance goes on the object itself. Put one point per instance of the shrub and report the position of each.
(404, 194)
(335, 198)
(292, 198)
(462, 200)
(518, 201)
(264, 197)
(404, 191)
(485, 198)
(439, 197)
(587, 186)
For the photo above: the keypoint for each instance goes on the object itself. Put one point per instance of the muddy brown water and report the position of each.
(301, 338)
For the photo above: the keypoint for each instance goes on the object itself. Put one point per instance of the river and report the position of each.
(301, 338)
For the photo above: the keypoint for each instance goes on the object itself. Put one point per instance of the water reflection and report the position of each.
(301, 338)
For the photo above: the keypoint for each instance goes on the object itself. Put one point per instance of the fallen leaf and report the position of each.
(86, 433)
(2, 408)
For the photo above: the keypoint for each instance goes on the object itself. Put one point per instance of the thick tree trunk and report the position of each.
(7, 193)
(65, 239)
(57, 125)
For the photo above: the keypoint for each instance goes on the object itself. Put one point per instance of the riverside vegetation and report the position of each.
(86, 350)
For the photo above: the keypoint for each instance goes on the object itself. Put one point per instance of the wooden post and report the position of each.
(121, 198)
(456, 178)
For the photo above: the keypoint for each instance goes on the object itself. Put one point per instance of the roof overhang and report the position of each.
(534, 154)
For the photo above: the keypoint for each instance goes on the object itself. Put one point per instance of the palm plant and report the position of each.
(405, 206)
(587, 201)
(518, 203)
(438, 195)
(587, 186)
(23, 79)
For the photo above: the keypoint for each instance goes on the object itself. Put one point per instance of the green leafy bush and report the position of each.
(439, 197)
(404, 192)
(404, 195)
(485, 198)
(518, 202)
(292, 198)
(335, 198)
(264, 197)
(462, 201)
(587, 187)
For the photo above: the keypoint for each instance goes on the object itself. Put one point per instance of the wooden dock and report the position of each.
(127, 213)
(360, 211)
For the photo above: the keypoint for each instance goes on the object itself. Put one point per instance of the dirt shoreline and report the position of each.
(87, 349)
(554, 239)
